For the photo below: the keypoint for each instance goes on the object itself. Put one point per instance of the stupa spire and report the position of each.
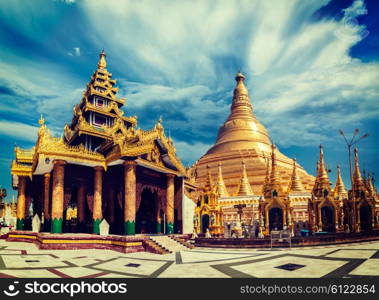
(244, 187)
(357, 176)
(370, 185)
(324, 179)
(220, 185)
(273, 176)
(267, 178)
(208, 182)
(274, 184)
(322, 182)
(296, 185)
(241, 105)
(339, 189)
(102, 64)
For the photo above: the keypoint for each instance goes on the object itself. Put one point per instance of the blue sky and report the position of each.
(311, 67)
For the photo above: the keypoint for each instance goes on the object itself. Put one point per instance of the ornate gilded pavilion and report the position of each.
(272, 189)
(103, 167)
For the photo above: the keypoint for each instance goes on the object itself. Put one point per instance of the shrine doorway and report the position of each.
(70, 218)
(204, 223)
(276, 218)
(145, 221)
(365, 217)
(328, 221)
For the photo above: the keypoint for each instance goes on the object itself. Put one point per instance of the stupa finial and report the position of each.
(102, 64)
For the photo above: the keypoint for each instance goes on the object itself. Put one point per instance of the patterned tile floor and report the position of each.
(349, 260)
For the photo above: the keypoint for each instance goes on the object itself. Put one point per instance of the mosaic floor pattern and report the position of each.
(350, 260)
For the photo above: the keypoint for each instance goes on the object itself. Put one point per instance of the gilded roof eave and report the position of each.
(21, 169)
(129, 143)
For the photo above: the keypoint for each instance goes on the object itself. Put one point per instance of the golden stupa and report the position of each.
(243, 138)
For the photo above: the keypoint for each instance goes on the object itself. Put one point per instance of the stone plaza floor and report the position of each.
(18, 259)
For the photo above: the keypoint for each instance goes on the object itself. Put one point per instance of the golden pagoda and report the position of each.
(104, 167)
(370, 186)
(295, 185)
(340, 190)
(244, 188)
(243, 137)
(220, 186)
(358, 181)
(271, 189)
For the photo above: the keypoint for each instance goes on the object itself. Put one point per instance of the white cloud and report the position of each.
(19, 131)
(140, 94)
(179, 58)
(75, 52)
(39, 89)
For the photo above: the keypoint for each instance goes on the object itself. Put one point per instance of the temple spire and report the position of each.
(324, 179)
(357, 176)
(244, 187)
(370, 186)
(296, 185)
(102, 64)
(274, 184)
(241, 130)
(267, 178)
(220, 185)
(208, 182)
(339, 189)
(241, 105)
(240, 89)
(273, 176)
(322, 182)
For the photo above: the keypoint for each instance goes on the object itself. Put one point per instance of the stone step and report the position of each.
(155, 247)
(182, 241)
(168, 243)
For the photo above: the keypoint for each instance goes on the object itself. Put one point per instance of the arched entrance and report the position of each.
(145, 221)
(365, 217)
(328, 222)
(276, 218)
(204, 223)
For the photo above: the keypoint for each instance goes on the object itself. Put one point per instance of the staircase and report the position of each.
(182, 241)
(154, 247)
(168, 243)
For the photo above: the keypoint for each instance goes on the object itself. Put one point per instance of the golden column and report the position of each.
(97, 214)
(46, 202)
(58, 195)
(21, 203)
(130, 197)
(81, 204)
(170, 204)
